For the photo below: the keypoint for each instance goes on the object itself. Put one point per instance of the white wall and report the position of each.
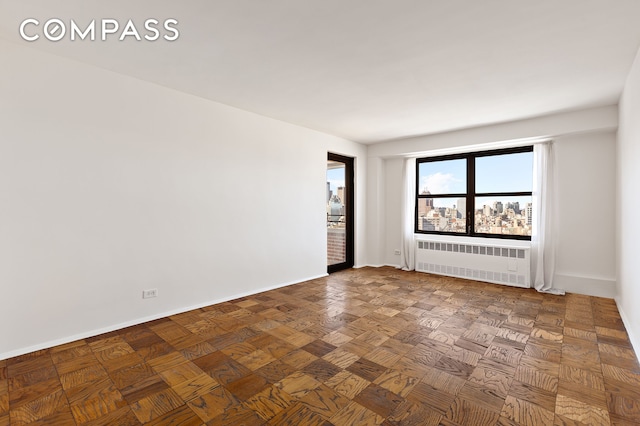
(375, 212)
(585, 261)
(628, 205)
(585, 153)
(573, 122)
(393, 210)
(111, 185)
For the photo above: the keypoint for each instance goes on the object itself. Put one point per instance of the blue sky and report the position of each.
(497, 174)
(336, 178)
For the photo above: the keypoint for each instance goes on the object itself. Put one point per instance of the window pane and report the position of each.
(443, 177)
(505, 173)
(505, 216)
(336, 208)
(442, 214)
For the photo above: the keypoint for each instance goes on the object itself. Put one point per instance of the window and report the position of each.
(479, 194)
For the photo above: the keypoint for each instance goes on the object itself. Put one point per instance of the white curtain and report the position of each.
(407, 255)
(543, 247)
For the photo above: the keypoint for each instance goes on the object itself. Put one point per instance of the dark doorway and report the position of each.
(339, 212)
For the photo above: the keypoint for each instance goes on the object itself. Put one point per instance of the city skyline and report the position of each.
(509, 218)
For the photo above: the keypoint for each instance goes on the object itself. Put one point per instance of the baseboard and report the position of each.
(586, 285)
(633, 338)
(114, 327)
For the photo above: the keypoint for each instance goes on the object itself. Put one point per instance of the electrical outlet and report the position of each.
(148, 294)
(396, 252)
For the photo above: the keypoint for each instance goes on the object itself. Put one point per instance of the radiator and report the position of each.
(500, 264)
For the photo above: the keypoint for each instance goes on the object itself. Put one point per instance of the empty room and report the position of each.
(281, 212)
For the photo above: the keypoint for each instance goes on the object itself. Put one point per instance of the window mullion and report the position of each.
(503, 194)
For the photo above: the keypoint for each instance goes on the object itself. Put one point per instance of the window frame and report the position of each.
(471, 193)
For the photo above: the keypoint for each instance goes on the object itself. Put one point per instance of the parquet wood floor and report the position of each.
(372, 346)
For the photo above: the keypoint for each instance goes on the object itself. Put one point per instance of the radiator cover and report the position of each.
(494, 263)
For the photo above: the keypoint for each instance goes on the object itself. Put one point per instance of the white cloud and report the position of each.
(441, 183)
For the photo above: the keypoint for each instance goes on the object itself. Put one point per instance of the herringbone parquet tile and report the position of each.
(369, 346)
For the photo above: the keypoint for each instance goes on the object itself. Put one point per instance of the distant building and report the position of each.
(335, 209)
(341, 190)
(425, 205)
(426, 225)
(462, 207)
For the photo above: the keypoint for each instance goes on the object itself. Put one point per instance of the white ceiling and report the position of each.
(367, 70)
